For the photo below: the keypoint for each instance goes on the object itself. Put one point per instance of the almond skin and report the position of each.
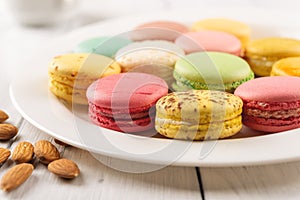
(7, 131)
(64, 168)
(15, 176)
(3, 116)
(45, 151)
(4, 155)
(23, 152)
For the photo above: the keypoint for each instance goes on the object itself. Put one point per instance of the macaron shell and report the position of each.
(133, 126)
(68, 93)
(127, 90)
(239, 29)
(216, 130)
(172, 25)
(209, 41)
(261, 66)
(87, 65)
(274, 126)
(273, 47)
(208, 105)
(107, 46)
(127, 124)
(161, 46)
(286, 67)
(270, 89)
(154, 57)
(212, 66)
(159, 30)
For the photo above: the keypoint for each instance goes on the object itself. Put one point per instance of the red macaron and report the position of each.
(125, 102)
(271, 104)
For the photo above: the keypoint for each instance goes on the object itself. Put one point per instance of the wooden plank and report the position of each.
(97, 181)
(281, 181)
(167, 183)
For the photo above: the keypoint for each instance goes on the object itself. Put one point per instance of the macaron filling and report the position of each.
(183, 83)
(275, 114)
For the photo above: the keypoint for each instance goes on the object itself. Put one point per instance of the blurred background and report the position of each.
(18, 39)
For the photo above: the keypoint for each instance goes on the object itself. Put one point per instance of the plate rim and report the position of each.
(208, 163)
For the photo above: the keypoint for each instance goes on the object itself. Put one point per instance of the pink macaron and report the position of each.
(209, 41)
(159, 30)
(271, 104)
(125, 102)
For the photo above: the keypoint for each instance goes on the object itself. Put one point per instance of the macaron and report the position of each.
(71, 74)
(261, 54)
(125, 102)
(211, 70)
(198, 115)
(107, 46)
(271, 104)
(159, 30)
(155, 57)
(286, 67)
(209, 41)
(237, 28)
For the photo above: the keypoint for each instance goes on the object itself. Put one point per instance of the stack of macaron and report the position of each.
(195, 83)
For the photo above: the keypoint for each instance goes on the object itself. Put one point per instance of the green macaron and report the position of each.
(106, 46)
(212, 71)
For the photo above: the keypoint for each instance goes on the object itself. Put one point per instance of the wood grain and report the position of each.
(281, 181)
(98, 181)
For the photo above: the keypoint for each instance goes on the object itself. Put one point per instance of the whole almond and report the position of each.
(3, 116)
(4, 155)
(23, 152)
(45, 151)
(7, 131)
(64, 168)
(15, 176)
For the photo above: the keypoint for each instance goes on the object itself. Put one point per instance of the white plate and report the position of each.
(30, 95)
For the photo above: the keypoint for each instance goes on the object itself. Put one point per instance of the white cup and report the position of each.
(41, 12)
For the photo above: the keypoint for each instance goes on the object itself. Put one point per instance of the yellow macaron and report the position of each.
(198, 115)
(286, 67)
(241, 30)
(71, 74)
(261, 54)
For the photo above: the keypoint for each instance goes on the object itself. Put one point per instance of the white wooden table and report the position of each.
(97, 181)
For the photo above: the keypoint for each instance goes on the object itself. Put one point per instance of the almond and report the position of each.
(3, 116)
(64, 168)
(7, 131)
(15, 176)
(23, 152)
(4, 155)
(45, 151)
